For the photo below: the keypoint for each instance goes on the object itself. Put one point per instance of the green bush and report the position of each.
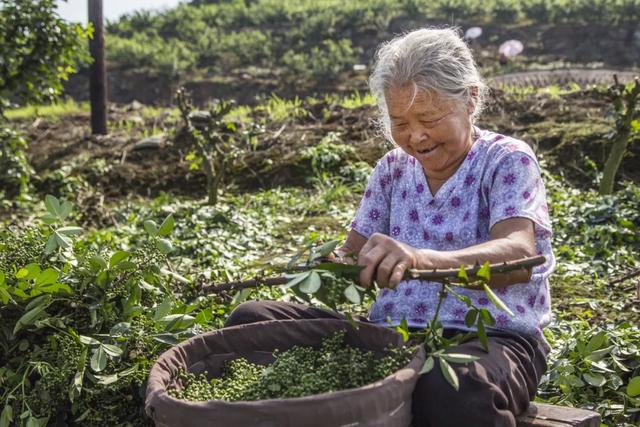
(146, 50)
(505, 11)
(15, 170)
(322, 64)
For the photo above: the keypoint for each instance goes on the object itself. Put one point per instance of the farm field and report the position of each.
(106, 241)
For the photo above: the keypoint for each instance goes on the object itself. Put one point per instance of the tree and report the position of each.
(627, 115)
(38, 49)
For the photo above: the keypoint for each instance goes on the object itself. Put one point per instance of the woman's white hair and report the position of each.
(432, 59)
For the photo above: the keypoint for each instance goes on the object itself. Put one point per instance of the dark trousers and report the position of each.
(493, 390)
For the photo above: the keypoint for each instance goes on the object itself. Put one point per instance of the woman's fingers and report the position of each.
(370, 260)
(397, 274)
(385, 270)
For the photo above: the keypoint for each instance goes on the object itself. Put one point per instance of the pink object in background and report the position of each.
(511, 48)
(473, 33)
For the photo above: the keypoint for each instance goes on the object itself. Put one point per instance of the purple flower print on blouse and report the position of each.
(542, 299)
(385, 292)
(449, 236)
(388, 307)
(404, 194)
(526, 195)
(483, 301)
(367, 193)
(510, 210)
(531, 301)
(354, 224)
(419, 320)
(408, 292)
(469, 180)
(484, 213)
(425, 235)
(420, 309)
(385, 181)
(437, 219)
(374, 214)
(391, 158)
(502, 320)
(509, 179)
(455, 201)
(471, 155)
(397, 174)
(419, 188)
(466, 216)
(502, 291)
(459, 313)
(413, 215)
(395, 231)
(525, 160)
(520, 309)
(498, 138)
(412, 160)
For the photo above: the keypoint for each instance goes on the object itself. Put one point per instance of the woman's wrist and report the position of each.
(428, 259)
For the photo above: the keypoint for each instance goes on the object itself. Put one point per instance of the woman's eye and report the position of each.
(399, 125)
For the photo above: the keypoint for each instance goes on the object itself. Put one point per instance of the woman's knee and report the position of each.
(248, 312)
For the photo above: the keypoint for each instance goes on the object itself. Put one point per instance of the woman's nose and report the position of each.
(418, 134)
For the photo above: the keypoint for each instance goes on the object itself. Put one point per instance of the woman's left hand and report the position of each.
(387, 258)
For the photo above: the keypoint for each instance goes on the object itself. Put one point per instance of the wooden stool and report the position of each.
(541, 414)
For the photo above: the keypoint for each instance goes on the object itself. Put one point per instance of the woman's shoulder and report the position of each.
(396, 157)
(497, 146)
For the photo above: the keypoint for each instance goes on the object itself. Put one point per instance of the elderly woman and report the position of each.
(449, 194)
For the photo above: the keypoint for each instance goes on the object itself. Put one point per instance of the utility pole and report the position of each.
(97, 71)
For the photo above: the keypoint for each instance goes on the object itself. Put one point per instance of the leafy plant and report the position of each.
(627, 119)
(15, 170)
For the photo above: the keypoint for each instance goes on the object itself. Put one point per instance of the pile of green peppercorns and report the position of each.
(300, 371)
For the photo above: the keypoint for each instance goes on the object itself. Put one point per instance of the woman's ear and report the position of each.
(473, 99)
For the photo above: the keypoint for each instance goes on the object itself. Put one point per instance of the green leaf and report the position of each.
(31, 271)
(151, 227)
(484, 272)
(449, 374)
(311, 284)
(352, 294)
(470, 318)
(486, 317)
(69, 231)
(633, 388)
(52, 245)
(482, 335)
(595, 379)
(112, 350)
(295, 279)
(117, 257)
(7, 416)
(459, 357)
(162, 309)
(428, 366)
(204, 316)
(98, 359)
(241, 296)
(2, 278)
(49, 219)
(65, 209)
(164, 246)
(462, 275)
(47, 277)
(167, 226)
(166, 338)
(497, 301)
(595, 342)
(403, 329)
(98, 263)
(326, 248)
(62, 240)
(53, 205)
(88, 340)
(29, 317)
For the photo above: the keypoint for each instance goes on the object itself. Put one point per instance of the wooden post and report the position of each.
(97, 71)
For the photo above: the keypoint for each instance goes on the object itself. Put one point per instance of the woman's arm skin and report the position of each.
(388, 259)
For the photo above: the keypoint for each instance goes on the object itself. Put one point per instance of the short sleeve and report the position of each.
(517, 190)
(373, 214)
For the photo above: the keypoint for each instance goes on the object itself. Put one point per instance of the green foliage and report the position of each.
(323, 63)
(39, 51)
(595, 367)
(15, 170)
(82, 324)
(505, 11)
(297, 372)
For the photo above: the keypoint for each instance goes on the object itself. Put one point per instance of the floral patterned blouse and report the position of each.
(499, 179)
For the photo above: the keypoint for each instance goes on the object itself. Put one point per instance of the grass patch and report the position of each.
(59, 109)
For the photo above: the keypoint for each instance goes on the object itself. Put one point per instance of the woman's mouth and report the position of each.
(427, 150)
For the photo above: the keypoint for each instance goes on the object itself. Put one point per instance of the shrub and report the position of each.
(322, 64)
(15, 170)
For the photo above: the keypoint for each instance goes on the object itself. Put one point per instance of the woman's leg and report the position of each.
(493, 390)
(257, 311)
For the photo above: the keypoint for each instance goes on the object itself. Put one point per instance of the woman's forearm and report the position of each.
(494, 251)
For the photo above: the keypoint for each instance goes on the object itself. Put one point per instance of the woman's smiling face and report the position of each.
(436, 131)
